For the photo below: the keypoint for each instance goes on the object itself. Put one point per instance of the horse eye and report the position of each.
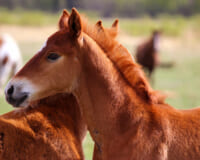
(53, 57)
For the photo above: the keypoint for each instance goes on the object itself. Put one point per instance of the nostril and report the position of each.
(10, 90)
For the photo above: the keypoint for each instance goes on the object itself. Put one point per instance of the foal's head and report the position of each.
(54, 69)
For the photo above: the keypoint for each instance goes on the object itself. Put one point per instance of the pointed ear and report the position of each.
(115, 24)
(114, 29)
(75, 24)
(63, 22)
(99, 25)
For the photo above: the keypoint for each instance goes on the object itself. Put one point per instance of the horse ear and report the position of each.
(99, 25)
(75, 24)
(63, 22)
(115, 24)
(114, 29)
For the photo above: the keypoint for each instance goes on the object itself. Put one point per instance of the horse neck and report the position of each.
(105, 97)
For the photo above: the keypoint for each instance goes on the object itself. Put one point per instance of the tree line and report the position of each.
(126, 8)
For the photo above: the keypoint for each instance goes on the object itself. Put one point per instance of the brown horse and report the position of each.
(147, 53)
(125, 116)
(43, 133)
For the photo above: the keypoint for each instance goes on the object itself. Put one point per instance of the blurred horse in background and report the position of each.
(49, 129)
(147, 53)
(10, 58)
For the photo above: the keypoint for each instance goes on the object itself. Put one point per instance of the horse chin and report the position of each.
(24, 104)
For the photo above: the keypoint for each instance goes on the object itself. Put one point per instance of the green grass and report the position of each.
(145, 25)
(27, 18)
(4, 107)
(183, 80)
(88, 147)
(32, 18)
(171, 25)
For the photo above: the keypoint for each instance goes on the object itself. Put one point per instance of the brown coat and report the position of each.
(52, 130)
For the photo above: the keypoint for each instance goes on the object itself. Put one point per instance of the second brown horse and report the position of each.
(147, 53)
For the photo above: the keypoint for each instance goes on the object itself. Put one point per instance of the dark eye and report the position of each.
(53, 57)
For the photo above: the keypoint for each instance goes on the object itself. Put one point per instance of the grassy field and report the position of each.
(182, 82)
(171, 25)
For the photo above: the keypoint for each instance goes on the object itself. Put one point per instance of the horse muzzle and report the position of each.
(19, 92)
(15, 97)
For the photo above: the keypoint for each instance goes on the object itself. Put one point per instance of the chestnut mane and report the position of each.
(122, 59)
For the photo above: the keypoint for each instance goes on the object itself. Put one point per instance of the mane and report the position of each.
(122, 60)
(104, 37)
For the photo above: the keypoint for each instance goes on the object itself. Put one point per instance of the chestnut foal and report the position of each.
(52, 129)
(126, 118)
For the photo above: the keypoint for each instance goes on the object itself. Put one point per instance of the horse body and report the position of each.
(125, 117)
(42, 132)
(10, 58)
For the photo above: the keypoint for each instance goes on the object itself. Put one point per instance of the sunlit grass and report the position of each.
(88, 147)
(183, 80)
(30, 18)
(171, 25)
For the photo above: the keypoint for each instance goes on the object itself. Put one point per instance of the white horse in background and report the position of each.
(10, 58)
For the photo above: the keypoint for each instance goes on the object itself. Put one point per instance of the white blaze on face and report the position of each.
(43, 46)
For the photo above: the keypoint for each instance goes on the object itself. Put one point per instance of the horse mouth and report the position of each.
(17, 102)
